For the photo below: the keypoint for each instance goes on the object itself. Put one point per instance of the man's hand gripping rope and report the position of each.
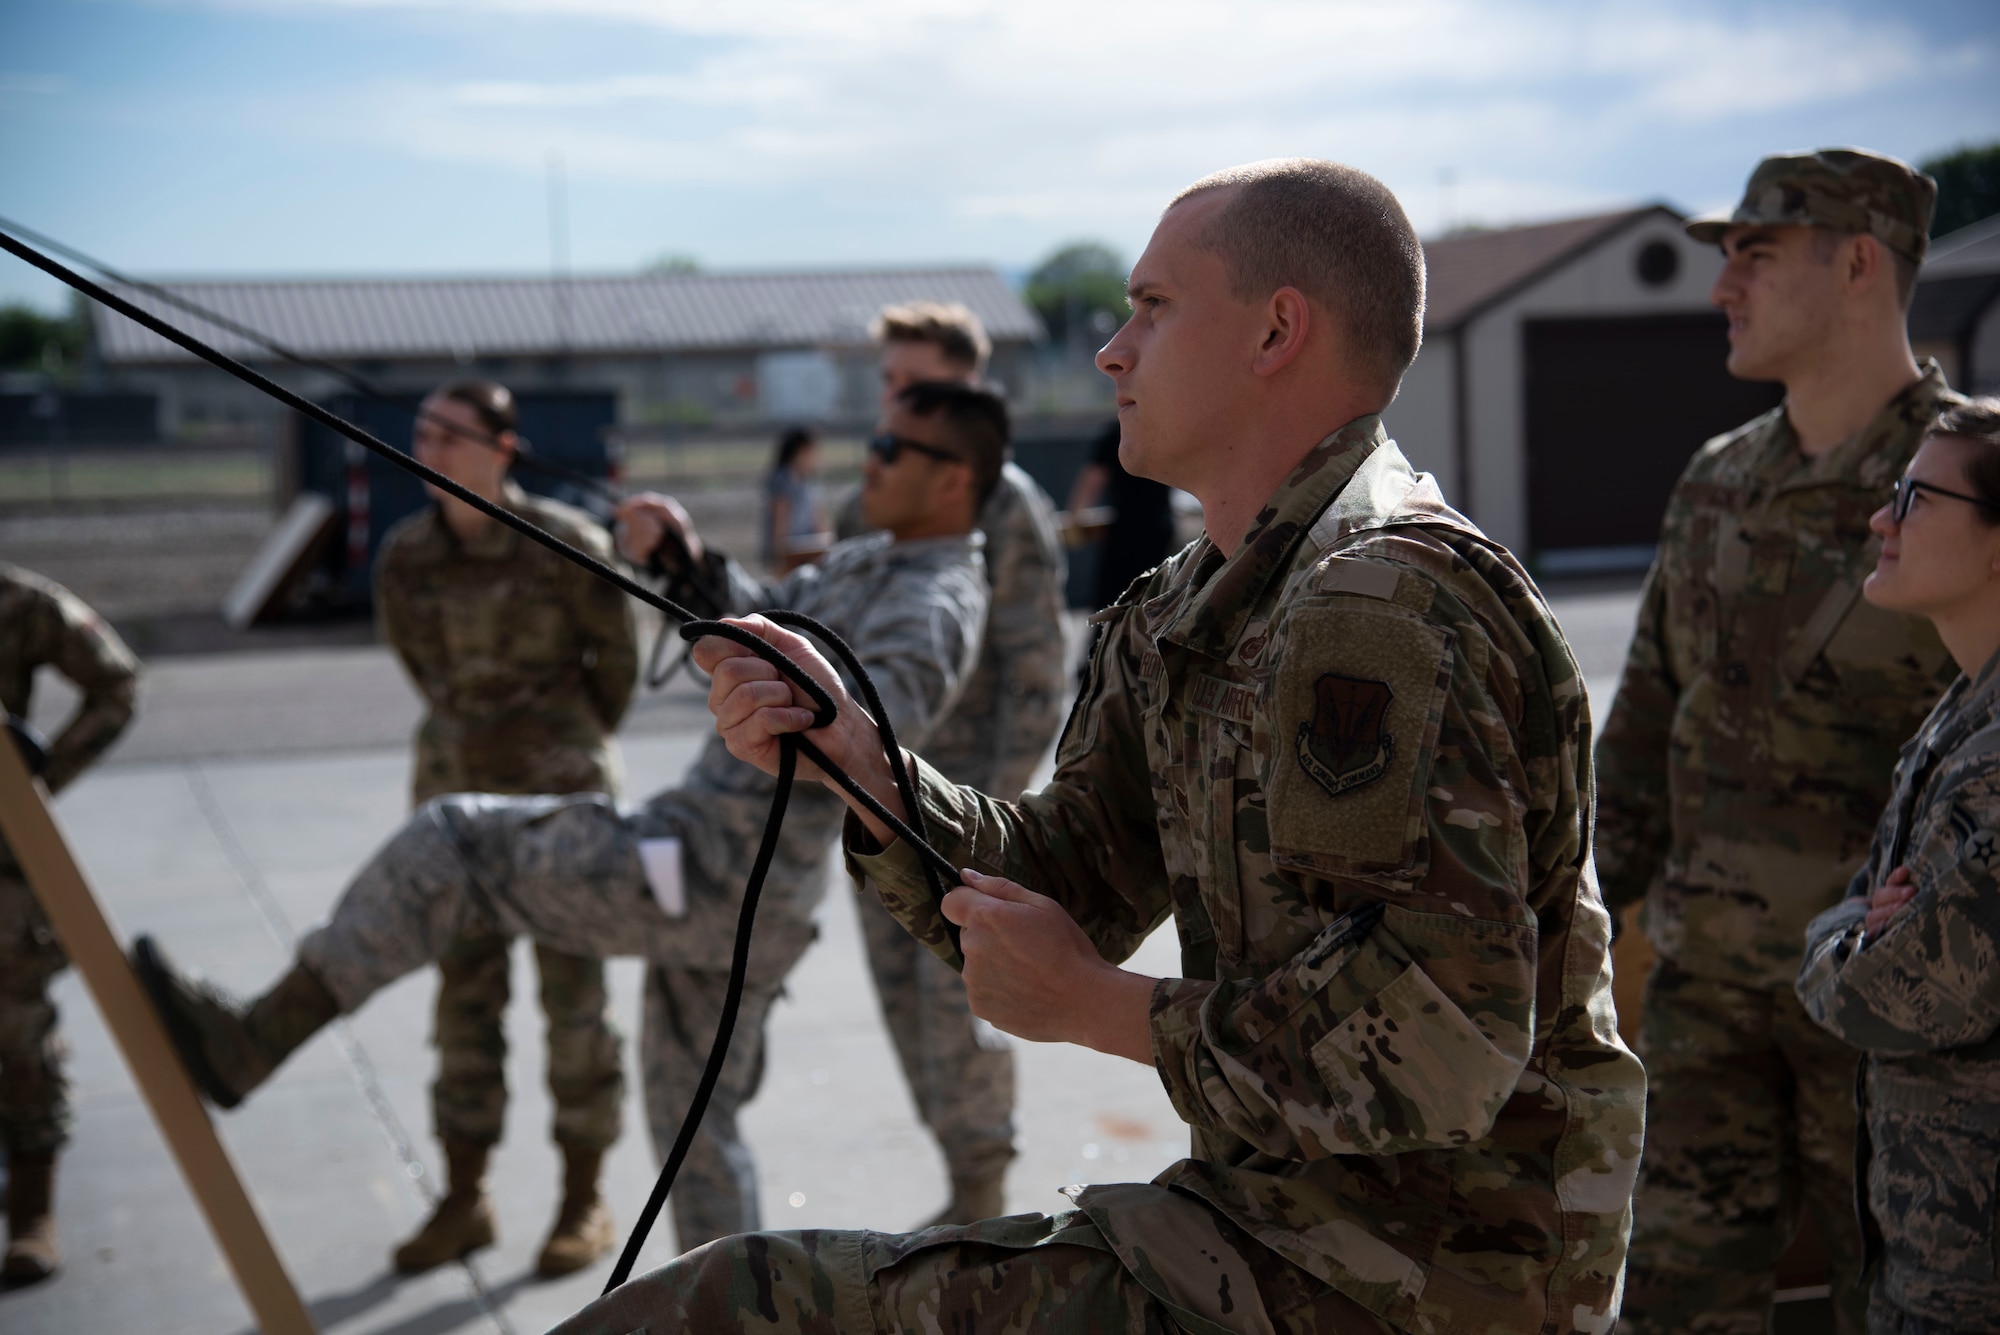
(823, 712)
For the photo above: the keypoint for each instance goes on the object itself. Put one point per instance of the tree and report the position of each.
(672, 266)
(1079, 292)
(30, 340)
(1968, 186)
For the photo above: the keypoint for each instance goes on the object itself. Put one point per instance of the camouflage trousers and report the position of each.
(716, 1192)
(34, 1091)
(586, 1077)
(1932, 1169)
(960, 1069)
(1051, 1275)
(565, 871)
(1885, 1318)
(1750, 1119)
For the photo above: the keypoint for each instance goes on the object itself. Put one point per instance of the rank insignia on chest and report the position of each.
(1981, 851)
(1347, 742)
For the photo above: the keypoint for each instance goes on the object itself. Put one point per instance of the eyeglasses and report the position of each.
(887, 447)
(1907, 488)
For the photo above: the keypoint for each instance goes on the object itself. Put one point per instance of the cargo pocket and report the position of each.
(1410, 1065)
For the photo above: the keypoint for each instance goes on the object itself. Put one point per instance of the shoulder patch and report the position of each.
(1347, 743)
(1358, 699)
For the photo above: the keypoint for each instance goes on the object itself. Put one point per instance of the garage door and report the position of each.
(1615, 408)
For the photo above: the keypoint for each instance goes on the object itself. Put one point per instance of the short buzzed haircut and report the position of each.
(947, 325)
(976, 425)
(1338, 236)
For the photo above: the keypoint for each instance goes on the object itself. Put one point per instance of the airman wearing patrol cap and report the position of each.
(1750, 747)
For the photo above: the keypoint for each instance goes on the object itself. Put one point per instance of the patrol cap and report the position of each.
(1844, 189)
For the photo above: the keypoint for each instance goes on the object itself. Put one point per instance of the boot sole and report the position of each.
(158, 979)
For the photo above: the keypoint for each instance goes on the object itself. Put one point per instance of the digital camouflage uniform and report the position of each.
(1352, 761)
(1922, 999)
(961, 1069)
(526, 664)
(566, 870)
(1745, 759)
(44, 624)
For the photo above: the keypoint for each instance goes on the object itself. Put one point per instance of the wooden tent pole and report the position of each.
(32, 833)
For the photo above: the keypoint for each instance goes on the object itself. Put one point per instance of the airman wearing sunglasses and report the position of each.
(1751, 744)
(961, 1070)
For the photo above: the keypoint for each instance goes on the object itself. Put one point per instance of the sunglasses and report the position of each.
(1907, 488)
(888, 448)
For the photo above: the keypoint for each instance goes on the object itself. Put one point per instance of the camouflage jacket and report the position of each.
(1366, 710)
(1749, 749)
(1013, 703)
(42, 623)
(525, 661)
(912, 612)
(1922, 999)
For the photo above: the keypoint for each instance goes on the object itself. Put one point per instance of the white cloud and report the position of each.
(1041, 110)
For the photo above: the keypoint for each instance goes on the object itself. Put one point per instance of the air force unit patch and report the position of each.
(1347, 743)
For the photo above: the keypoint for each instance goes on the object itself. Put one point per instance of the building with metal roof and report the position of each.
(1568, 371)
(675, 348)
(1955, 316)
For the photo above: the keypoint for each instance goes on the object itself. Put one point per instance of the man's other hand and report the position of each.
(1888, 900)
(1031, 972)
(644, 520)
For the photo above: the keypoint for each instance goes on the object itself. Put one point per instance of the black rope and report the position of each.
(938, 870)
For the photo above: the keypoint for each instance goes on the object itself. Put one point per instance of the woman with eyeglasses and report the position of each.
(1908, 968)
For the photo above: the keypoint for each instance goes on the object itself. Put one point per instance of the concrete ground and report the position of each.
(228, 819)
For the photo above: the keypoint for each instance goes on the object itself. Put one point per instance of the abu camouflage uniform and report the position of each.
(566, 870)
(526, 664)
(1352, 761)
(43, 624)
(961, 1069)
(1922, 1000)
(1746, 756)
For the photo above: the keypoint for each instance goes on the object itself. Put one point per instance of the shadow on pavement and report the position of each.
(487, 1304)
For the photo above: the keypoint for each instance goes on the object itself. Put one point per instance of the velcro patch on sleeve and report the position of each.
(1357, 703)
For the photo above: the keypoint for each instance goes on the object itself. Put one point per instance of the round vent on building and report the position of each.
(1657, 262)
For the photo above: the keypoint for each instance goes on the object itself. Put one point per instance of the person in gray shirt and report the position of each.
(664, 880)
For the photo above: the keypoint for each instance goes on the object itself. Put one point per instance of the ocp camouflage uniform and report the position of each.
(961, 1069)
(44, 624)
(1922, 999)
(566, 870)
(1746, 756)
(526, 664)
(1352, 760)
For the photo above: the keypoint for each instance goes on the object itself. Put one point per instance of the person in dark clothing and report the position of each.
(1142, 530)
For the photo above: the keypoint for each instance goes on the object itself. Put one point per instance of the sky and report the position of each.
(331, 137)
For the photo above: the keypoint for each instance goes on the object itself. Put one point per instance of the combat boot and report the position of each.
(974, 1196)
(583, 1230)
(31, 1219)
(230, 1049)
(463, 1220)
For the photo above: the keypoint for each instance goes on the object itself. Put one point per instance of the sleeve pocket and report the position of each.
(1410, 1065)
